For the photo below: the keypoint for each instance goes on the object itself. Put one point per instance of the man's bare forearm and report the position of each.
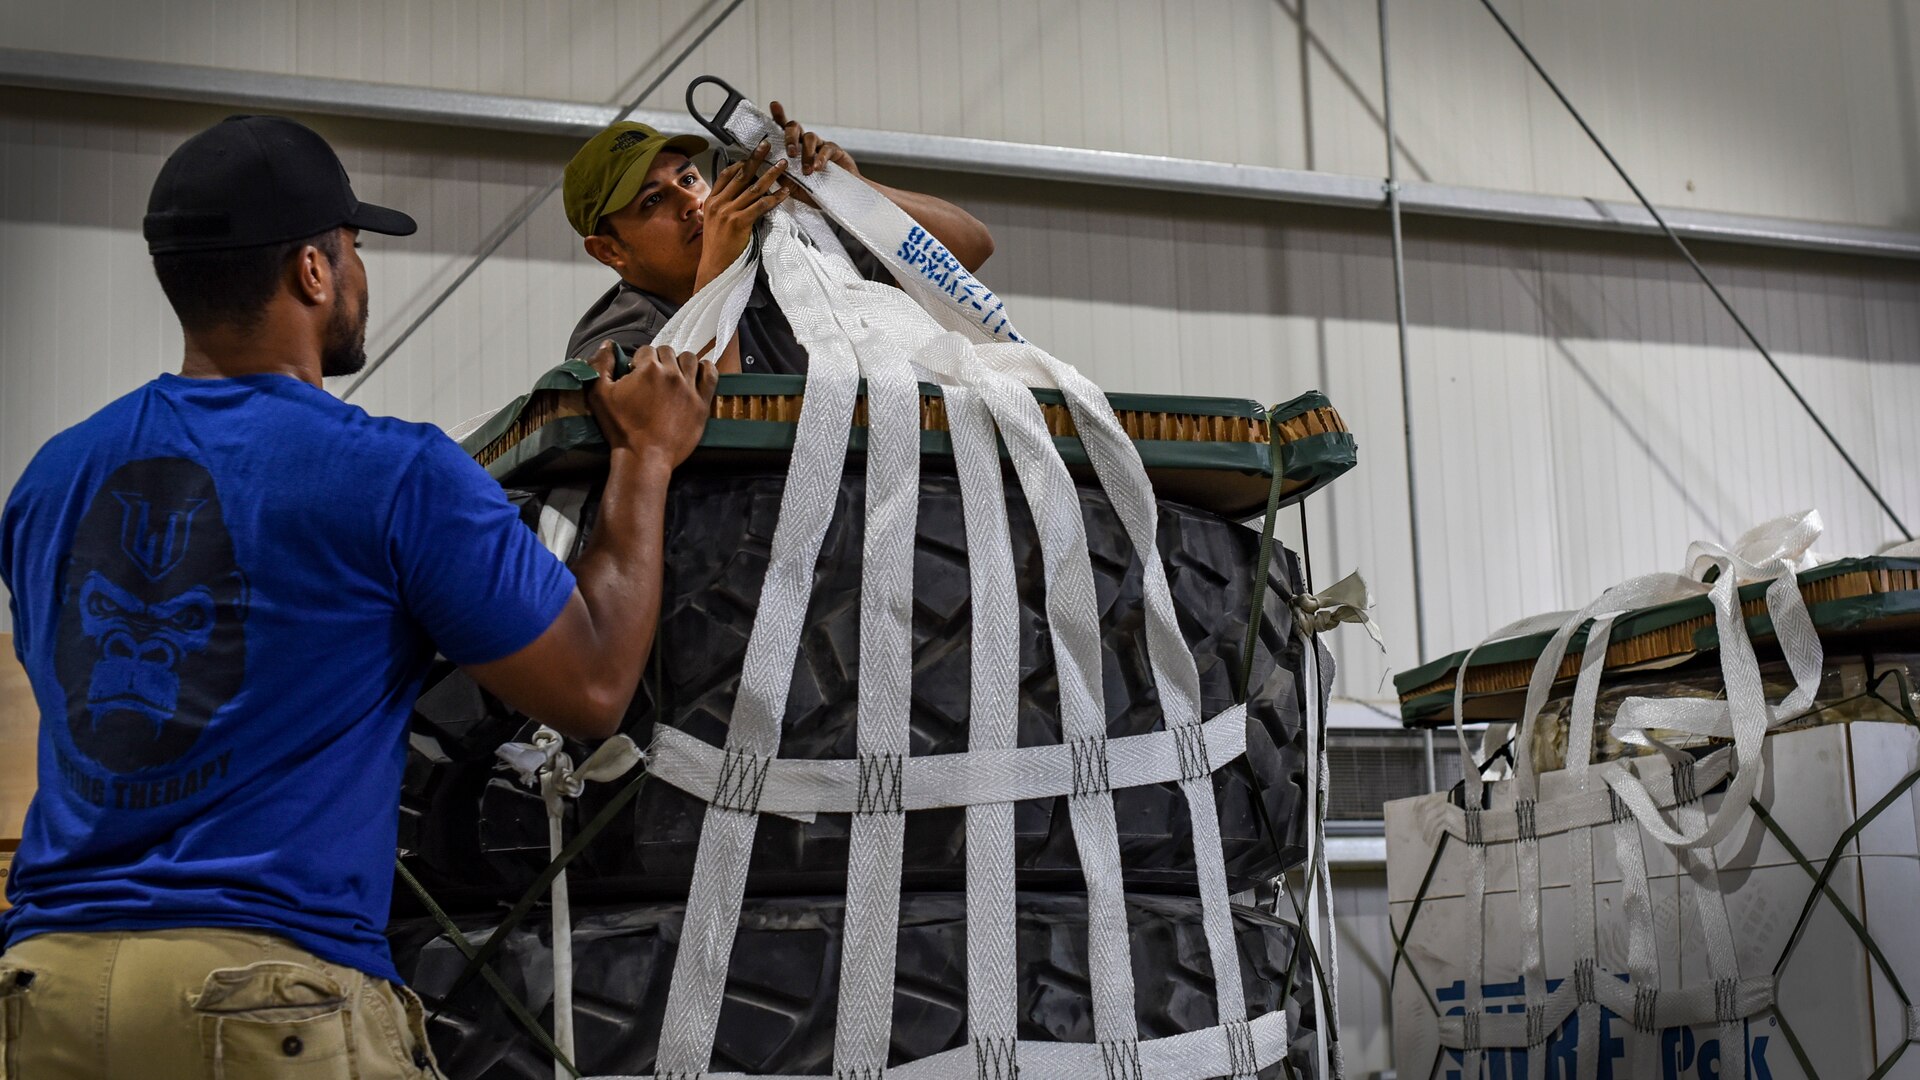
(961, 232)
(619, 573)
(579, 675)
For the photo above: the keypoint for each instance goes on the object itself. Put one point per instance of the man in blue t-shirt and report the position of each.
(226, 587)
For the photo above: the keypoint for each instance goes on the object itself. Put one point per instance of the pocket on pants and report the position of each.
(418, 1049)
(275, 1019)
(16, 983)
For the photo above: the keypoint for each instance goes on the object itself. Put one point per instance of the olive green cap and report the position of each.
(607, 172)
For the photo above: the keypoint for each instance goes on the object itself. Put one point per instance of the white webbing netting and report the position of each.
(943, 325)
(1628, 804)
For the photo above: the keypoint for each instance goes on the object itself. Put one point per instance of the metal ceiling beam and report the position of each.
(498, 112)
(299, 93)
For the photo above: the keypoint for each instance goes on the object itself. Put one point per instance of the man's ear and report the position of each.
(314, 279)
(605, 251)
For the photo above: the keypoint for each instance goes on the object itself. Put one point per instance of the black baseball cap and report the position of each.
(254, 180)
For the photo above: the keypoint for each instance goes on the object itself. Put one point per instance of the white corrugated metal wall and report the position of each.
(1582, 408)
(1769, 106)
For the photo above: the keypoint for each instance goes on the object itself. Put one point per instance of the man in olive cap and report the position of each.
(226, 589)
(644, 210)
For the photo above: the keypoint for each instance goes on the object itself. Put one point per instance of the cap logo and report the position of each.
(627, 140)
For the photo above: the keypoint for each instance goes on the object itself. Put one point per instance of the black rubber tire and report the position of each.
(783, 988)
(720, 529)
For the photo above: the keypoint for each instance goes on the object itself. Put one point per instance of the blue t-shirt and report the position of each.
(225, 594)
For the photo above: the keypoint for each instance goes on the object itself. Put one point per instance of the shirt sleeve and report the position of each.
(470, 573)
(623, 315)
(866, 262)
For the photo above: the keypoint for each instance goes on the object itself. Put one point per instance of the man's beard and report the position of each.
(345, 350)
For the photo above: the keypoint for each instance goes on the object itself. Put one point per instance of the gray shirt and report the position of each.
(631, 317)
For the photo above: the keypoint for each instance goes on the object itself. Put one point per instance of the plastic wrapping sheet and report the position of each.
(1852, 687)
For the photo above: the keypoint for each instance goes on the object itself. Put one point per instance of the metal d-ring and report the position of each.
(717, 124)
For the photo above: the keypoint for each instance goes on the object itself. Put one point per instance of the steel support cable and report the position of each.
(1697, 268)
(533, 203)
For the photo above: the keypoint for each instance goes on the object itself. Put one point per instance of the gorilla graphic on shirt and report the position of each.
(152, 636)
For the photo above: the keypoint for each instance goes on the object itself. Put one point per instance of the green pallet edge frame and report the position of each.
(1227, 478)
(1846, 615)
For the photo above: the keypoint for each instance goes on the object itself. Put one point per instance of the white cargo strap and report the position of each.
(1643, 953)
(1769, 552)
(1745, 714)
(1649, 1008)
(1586, 966)
(807, 286)
(1474, 784)
(884, 696)
(1473, 831)
(801, 787)
(919, 262)
(1117, 464)
(1345, 601)
(850, 328)
(1190, 1055)
(1710, 905)
(962, 302)
(1071, 610)
(1631, 800)
(545, 766)
(992, 728)
(1667, 789)
(753, 733)
(1348, 600)
(1319, 922)
(710, 316)
(559, 527)
(1723, 965)
(1072, 623)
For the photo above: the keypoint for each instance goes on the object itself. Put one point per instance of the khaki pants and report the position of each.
(202, 1004)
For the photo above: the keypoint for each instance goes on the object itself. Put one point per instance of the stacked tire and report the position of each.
(782, 990)
(477, 837)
